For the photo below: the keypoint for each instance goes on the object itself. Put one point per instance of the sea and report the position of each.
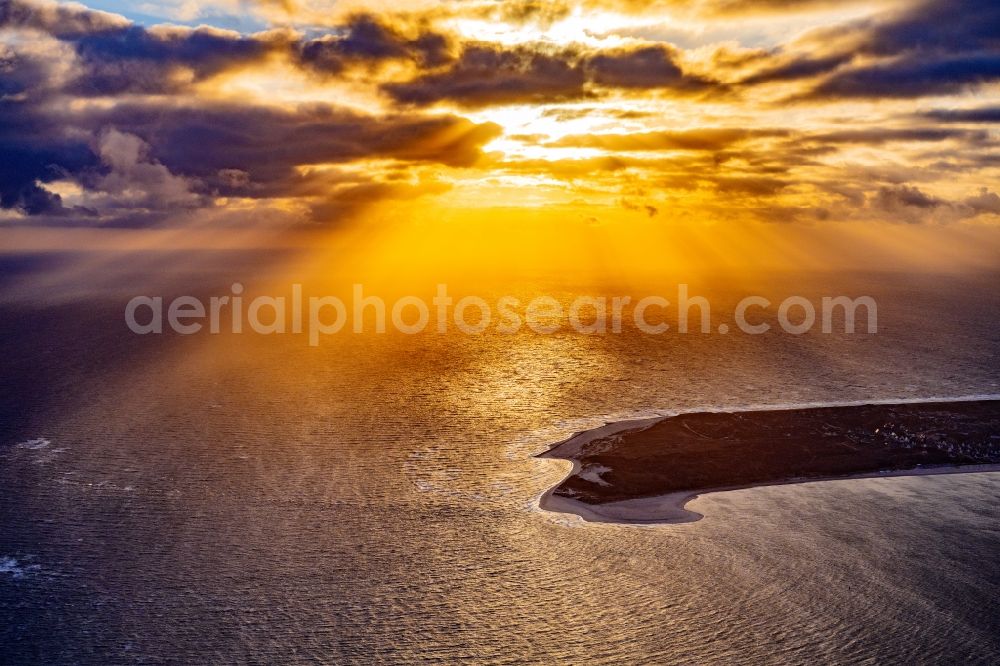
(250, 499)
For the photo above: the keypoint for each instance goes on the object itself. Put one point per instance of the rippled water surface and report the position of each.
(244, 499)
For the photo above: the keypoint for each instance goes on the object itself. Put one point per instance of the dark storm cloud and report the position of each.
(142, 160)
(214, 150)
(366, 40)
(224, 150)
(892, 198)
(267, 143)
(25, 165)
(927, 48)
(115, 57)
(19, 74)
(133, 60)
(487, 74)
(933, 25)
(643, 67)
(987, 114)
(139, 160)
(913, 76)
(797, 68)
(34, 149)
(875, 136)
(907, 203)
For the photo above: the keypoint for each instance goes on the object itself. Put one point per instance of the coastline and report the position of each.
(670, 507)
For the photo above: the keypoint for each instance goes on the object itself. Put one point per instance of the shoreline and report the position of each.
(670, 507)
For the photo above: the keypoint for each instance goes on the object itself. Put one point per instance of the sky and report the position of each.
(728, 126)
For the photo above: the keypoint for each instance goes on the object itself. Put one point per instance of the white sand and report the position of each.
(669, 508)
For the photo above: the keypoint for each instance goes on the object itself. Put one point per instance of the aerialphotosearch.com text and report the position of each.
(361, 312)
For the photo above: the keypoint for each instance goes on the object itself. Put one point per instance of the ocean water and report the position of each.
(249, 499)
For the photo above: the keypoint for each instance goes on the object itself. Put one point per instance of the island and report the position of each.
(646, 471)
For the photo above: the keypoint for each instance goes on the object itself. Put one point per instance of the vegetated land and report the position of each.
(704, 451)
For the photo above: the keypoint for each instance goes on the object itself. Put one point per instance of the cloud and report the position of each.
(35, 148)
(748, 7)
(643, 67)
(930, 25)
(113, 56)
(874, 136)
(489, 74)
(757, 186)
(60, 21)
(346, 201)
(136, 60)
(134, 162)
(926, 48)
(898, 197)
(132, 179)
(103, 121)
(364, 39)
(721, 9)
(913, 50)
(707, 139)
(783, 68)
(909, 204)
(984, 202)
(647, 209)
(912, 76)
(263, 141)
(151, 156)
(540, 12)
(987, 114)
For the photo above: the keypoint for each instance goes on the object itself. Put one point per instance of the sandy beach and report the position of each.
(612, 439)
(669, 509)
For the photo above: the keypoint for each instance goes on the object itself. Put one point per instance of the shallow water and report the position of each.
(248, 499)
